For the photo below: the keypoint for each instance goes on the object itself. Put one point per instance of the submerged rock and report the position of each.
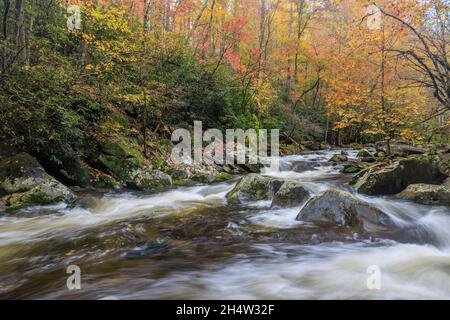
(254, 187)
(25, 183)
(341, 208)
(426, 194)
(394, 178)
(339, 158)
(290, 194)
(302, 166)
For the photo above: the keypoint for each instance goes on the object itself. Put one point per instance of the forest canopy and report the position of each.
(323, 72)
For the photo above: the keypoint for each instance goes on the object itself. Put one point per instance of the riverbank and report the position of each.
(192, 242)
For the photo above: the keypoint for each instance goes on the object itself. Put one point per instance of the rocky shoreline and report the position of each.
(410, 173)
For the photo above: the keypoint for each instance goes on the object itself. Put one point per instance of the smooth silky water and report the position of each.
(189, 243)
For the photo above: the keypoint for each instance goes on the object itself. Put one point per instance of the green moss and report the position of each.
(182, 182)
(221, 177)
(116, 123)
(351, 169)
(29, 199)
(123, 148)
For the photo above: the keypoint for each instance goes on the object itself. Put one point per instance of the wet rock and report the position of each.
(148, 179)
(302, 166)
(25, 183)
(254, 187)
(380, 154)
(180, 174)
(394, 178)
(291, 194)
(205, 175)
(222, 177)
(336, 207)
(364, 153)
(338, 158)
(426, 194)
(351, 169)
(232, 169)
(400, 148)
(369, 159)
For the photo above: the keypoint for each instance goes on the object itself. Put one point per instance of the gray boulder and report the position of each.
(339, 158)
(395, 177)
(291, 194)
(400, 148)
(336, 207)
(254, 187)
(426, 194)
(148, 179)
(25, 183)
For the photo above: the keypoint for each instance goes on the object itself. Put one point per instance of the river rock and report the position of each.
(121, 159)
(25, 183)
(364, 153)
(148, 179)
(394, 178)
(341, 208)
(339, 158)
(400, 148)
(254, 187)
(302, 166)
(291, 194)
(426, 194)
(351, 169)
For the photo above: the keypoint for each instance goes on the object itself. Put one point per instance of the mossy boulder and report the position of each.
(351, 169)
(335, 207)
(120, 158)
(290, 194)
(148, 179)
(426, 194)
(339, 158)
(25, 183)
(254, 187)
(222, 177)
(394, 178)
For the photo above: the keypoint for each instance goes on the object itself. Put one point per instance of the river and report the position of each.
(189, 243)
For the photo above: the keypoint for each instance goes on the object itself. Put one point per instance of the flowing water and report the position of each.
(189, 243)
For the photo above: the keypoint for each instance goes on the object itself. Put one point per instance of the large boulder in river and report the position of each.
(337, 207)
(426, 194)
(291, 194)
(121, 158)
(25, 183)
(148, 179)
(400, 148)
(254, 187)
(395, 177)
